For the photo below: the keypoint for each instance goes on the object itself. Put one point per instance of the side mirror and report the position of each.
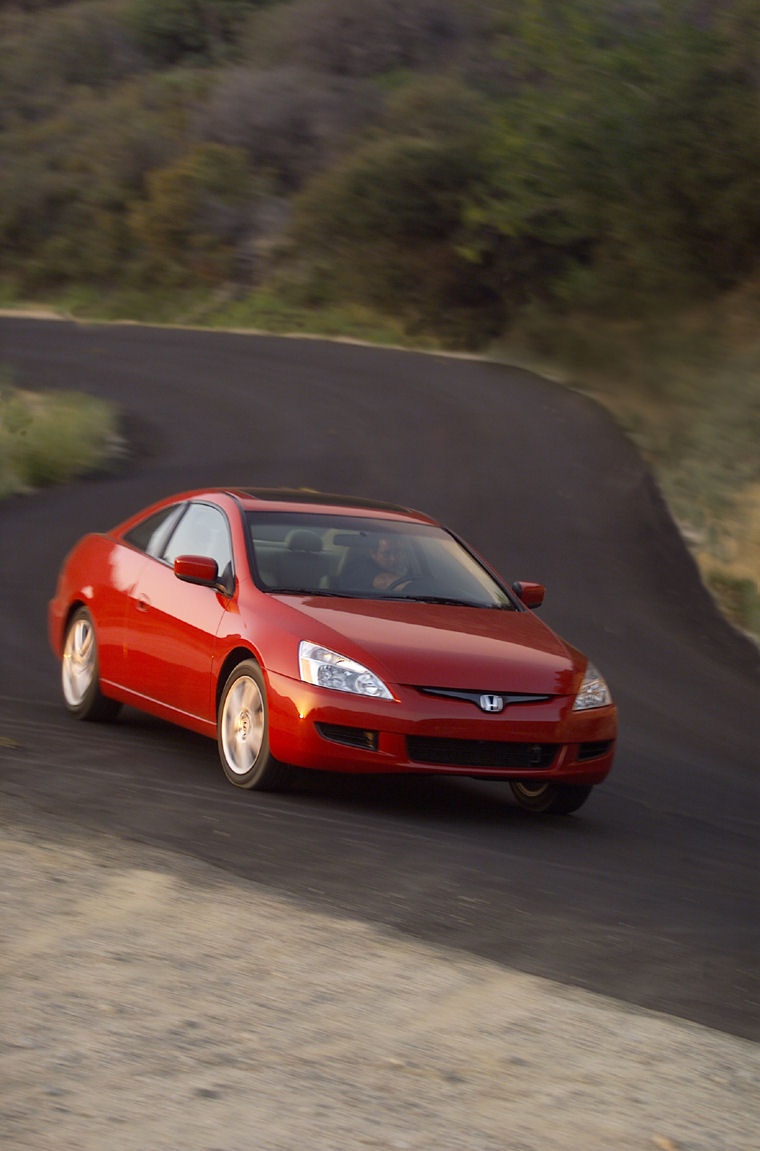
(531, 594)
(197, 569)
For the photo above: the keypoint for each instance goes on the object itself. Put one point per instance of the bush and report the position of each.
(169, 30)
(629, 156)
(386, 221)
(362, 38)
(47, 439)
(197, 211)
(291, 122)
(42, 57)
(70, 179)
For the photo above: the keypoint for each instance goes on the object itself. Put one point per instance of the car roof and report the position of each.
(280, 500)
(309, 500)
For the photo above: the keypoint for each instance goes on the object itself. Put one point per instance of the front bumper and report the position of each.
(335, 731)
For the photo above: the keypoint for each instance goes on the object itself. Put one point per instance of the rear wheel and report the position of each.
(243, 732)
(550, 798)
(80, 674)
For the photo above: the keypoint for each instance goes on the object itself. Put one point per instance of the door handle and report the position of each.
(143, 604)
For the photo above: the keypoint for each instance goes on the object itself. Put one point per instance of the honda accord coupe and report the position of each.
(325, 632)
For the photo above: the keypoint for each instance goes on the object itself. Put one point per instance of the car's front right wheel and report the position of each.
(243, 732)
(549, 798)
(80, 674)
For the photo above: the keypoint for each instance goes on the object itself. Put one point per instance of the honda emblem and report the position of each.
(491, 703)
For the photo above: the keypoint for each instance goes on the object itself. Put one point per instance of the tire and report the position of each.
(243, 732)
(80, 674)
(549, 798)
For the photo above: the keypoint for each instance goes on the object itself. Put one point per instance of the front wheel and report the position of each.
(550, 798)
(80, 676)
(243, 732)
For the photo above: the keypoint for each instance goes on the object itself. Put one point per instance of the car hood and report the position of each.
(444, 646)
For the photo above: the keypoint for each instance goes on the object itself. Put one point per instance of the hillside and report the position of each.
(574, 182)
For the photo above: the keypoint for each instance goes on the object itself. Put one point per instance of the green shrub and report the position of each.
(627, 157)
(170, 29)
(50, 438)
(386, 222)
(196, 210)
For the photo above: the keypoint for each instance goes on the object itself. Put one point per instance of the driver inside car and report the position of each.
(377, 568)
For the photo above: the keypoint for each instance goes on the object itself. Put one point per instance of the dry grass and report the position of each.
(48, 438)
(687, 390)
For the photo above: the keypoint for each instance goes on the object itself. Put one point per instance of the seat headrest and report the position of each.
(303, 540)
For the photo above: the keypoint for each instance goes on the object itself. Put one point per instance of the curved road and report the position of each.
(649, 894)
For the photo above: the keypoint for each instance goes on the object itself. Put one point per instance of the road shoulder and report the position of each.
(151, 1000)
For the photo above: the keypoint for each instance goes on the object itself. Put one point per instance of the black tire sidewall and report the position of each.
(556, 799)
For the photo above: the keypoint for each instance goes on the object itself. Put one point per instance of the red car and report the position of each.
(329, 633)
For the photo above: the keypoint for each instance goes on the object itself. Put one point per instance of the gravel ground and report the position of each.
(150, 1001)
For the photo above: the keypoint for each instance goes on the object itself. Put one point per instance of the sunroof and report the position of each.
(309, 496)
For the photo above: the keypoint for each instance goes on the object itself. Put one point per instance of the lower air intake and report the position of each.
(594, 750)
(351, 736)
(480, 753)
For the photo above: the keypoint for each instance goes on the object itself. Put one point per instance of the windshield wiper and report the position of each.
(304, 591)
(442, 599)
(379, 597)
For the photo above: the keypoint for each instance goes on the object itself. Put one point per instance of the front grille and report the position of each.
(480, 753)
(594, 750)
(351, 736)
(475, 697)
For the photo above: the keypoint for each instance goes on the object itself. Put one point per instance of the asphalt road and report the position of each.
(650, 893)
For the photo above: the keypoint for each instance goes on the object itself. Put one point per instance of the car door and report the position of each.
(172, 625)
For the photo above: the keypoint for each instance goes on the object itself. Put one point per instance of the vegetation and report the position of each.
(575, 178)
(49, 438)
(686, 387)
(446, 162)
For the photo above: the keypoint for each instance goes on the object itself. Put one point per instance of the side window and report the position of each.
(202, 531)
(151, 534)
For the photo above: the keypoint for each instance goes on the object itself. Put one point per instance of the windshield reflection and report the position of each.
(359, 557)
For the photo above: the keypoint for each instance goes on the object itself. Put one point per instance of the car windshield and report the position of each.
(357, 557)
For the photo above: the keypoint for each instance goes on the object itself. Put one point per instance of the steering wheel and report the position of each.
(402, 581)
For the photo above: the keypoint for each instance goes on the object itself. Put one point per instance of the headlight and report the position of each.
(593, 691)
(326, 668)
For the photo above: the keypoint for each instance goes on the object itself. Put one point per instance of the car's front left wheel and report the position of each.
(243, 732)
